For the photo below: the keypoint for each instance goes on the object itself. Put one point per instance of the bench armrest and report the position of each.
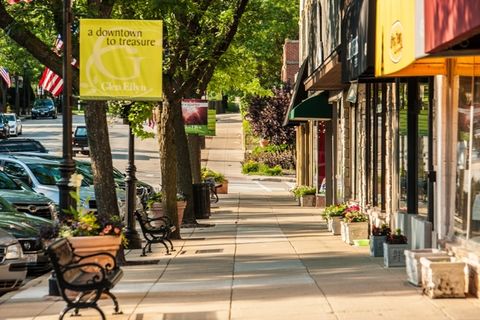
(98, 276)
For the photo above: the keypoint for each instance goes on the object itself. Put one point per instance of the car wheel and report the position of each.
(20, 132)
(54, 116)
(33, 117)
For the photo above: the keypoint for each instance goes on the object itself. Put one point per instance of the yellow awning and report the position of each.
(400, 41)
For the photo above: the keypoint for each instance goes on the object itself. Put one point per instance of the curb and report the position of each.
(273, 179)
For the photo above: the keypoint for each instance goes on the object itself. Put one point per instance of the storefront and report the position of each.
(458, 41)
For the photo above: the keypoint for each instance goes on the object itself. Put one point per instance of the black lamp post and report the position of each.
(134, 241)
(67, 166)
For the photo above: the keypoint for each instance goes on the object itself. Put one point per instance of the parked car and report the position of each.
(80, 140)
(44, 108)
(21, 145)
(14, 123)
(26, 228)
(24, 199)
(4, 127)
(13, 268)
(42, 175)
(144, 190)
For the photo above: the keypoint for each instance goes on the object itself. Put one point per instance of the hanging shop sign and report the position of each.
(120, 59)
(198, 117)
(400, 41)
(450, 26)
(358, 37)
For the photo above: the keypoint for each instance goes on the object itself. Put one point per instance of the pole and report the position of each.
(134, 241)
(67, 166)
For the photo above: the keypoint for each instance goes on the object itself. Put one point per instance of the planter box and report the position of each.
(412, 261)
(393, 255)
(442, 278)
(224, 188)
(336, 226)
(320, 201)
(307, 200)
(376, 245)
(355, 231)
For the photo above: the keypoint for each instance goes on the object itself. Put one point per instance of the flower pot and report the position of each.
(356, 231)
(336, 225)
(393, 255)
(320, 201)
(224, 188)
(307, 200)
(413, 266)
(87, 245)
(180, 211)
(376, 245)
(442, 278)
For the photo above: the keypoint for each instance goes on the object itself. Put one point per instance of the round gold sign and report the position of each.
(396, 42)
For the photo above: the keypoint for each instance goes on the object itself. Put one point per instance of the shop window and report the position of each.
(403, 147)
(467, 200)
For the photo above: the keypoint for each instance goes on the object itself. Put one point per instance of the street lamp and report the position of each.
(134, 241)
(67, 166)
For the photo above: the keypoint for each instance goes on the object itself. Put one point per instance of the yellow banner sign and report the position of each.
(120, 59)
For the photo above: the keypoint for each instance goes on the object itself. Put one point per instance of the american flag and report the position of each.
(58, 45)
(51, 82)
(5, 76)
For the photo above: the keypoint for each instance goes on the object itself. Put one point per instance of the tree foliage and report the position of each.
(252, 63)
(266, 115)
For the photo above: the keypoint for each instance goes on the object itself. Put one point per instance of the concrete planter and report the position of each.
(156, 211)
(393, 255)
(320, 201)
(224, 188)
(307, 200)
(413, 266)
(442, 278)
(336, 226)
(356, 231)
(376, 245)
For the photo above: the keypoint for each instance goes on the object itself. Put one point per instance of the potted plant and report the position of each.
(218, 177)
(377, 238)
(155, 207)
(334, 214)
(355, 224)
(305, 194)
(87, 231)
(394, 248)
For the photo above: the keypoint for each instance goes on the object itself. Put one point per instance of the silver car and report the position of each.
(13, 267)
(14, 123)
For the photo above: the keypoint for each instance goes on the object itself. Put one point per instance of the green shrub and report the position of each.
(250, 166)
(270, 171)
(209, 173)
(300, 191)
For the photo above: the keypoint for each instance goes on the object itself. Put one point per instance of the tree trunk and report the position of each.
(100, 152)
(184, 169)
(168, 161)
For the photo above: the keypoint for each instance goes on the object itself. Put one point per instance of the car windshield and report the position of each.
(48, 174)
(81, 132)
(10, 117)
(7, 183)
(21, 146)
(43, 103)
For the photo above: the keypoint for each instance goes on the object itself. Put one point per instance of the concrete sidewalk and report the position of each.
(262, 258)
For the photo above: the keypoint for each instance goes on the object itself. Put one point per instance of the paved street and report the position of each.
(262, 257)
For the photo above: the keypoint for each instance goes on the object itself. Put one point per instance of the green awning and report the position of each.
(313, 108)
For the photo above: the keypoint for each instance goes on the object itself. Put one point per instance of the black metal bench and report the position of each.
(82, 282)
(155, 230)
